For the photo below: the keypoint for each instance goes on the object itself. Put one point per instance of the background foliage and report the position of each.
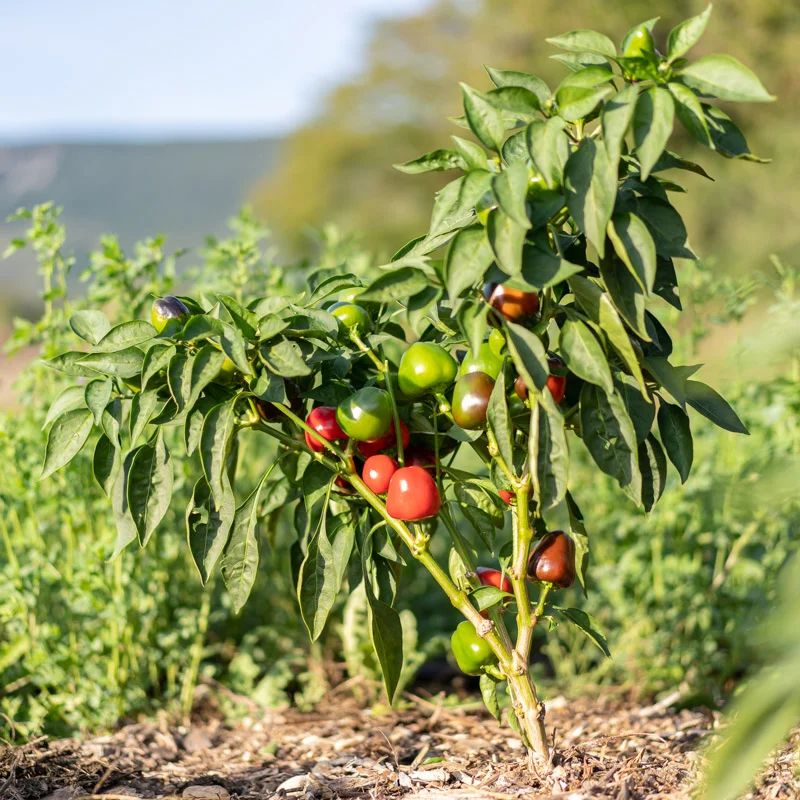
(84, 642)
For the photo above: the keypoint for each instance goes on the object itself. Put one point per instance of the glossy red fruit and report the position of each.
(413, 495)
(323, 421)
(377, 472)
(557, 384)
(553, 560)
(514, 304)
(508, 497)
(389, 439)
(493, 577)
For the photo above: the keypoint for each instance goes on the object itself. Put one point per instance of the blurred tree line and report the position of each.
(338, 167)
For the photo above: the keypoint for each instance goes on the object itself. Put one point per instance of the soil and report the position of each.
(607, 747)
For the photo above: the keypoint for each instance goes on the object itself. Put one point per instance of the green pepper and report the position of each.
(365, 415)
(167, 308)
(472, 652)
(487, 361)
(425, 367)
(352, 316)
(640, 43)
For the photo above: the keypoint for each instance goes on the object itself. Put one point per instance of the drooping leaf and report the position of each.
(98, 396)
(66, 439)
(548, 453)
(713, 406)
(215, 440)
(652, 126)
(106, 464)
(207, 526)
(616, 120)
(500, 421)
(584, 355)
(484, 118)
(528, 354)
(507, 238)
(653, 466)
(468, 257)
(635, 247)
(150, 486)
(548, 146)
(434, 161)
(676, 436)
(588, 624)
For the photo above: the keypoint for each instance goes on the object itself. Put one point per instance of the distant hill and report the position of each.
(183, 189)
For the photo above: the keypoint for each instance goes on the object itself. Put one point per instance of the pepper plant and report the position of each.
(560, 238)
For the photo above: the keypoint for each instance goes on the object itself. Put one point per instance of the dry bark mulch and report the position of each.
(606, 748)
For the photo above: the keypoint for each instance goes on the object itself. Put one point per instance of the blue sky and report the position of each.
(174, 68)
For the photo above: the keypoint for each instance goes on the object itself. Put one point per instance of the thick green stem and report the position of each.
(190, 679)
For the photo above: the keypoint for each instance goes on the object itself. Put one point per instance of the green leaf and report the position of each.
(286, 359)
(240, 562)
(588, 624)
(142, 409)
(121, 364)
(454, 206)
(724, 77)
(690, 113)
(507, 239)
(635, 247)
(323, 570)
(128, 334)
(112, 421)
(579, 61)
(511, 190)
(671, 378)
(548, 146)
(106, 464)
(199, 327)
(666, 283)
(591, 189)
(488, 686)
(500, 421)
(503, 77)
(395, 285)
(712, 405)
(653, 466)
(528, 354)
(69, 364)
(150, 486)
(541, 267)
(244, 319)
(610, 437)
(577, 102)
(488, 597)
(91, 326)
(726, 137)
(66, 439)
(215, 440)
(126, 529)
(472, 503)
(202, 368)
(616, 120)
(234, 347)
(641, 409)
(323, 290)
(652, 126)
(472, 321)
(72, 397)
(156, 359)
(485, 120)
(548, 453)
(435, 161)
(597, 304)
(580, 537)
(472, 155)
(468, 257)
(98, 396)
(671, 160)
(584, 355)
(584, 41)
(676, 436)
(685, 35)
(665, 226)
(207, 527)
(625, 293)
(515, 101)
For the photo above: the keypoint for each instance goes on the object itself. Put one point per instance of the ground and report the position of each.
(607, 747)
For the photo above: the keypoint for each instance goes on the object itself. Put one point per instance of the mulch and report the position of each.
(607, 747)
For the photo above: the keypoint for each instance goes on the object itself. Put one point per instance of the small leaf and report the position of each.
(724, 77)
(591, 189)
(584, 41)
(142, 409)
(489, 694)
(120, 364)
(126, 529)
(244, 319)
(528, 354)
(467, 259)
(208, 527)
(72, 397)
(726, 137)
(98, 396)
(106, 464)
(150, 486)
(515, 101)
(66, 439)
(665, 226)
(652, 126)
(713, 406)
(511, 190)
(548, 452)
(690, 113)
(548, 146)
(91, 326)
(686, 35)
(635, 247)
(588, 624)
(577, 102)
(472, 155)
(128, 334)
(157, 358)
(286, 359)
(616, 119)
(435, 161)
(584, 355)
(676, 436)
(485, 120)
